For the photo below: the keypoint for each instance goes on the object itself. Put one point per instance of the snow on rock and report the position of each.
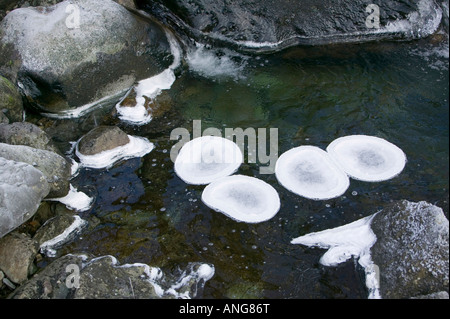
(243, 198)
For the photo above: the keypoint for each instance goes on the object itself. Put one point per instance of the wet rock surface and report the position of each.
(63, 55)
(412, 250)
(22, 188)
(102, 138)
(17, 253)
(24, 133)
(264, 24)
(87, 277)
(55, 167)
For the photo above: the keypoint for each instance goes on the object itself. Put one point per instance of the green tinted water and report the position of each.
(396, 91)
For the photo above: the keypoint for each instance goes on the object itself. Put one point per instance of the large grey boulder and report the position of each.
(22, 188)
(412, 250)
(79, 53)
(56, 168)
(269, 24)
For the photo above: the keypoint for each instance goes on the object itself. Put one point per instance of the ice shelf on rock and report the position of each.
(206, 159)
(75, 200)
(184, 286)
(150, 88)
(49, 246)
(367, 158)
(242, 198)
(308, 171)
(344, 242)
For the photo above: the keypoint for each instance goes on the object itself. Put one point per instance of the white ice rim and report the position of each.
(191, 158)
(318, 160)
(345, 150)
(215, 197)
(136, 147)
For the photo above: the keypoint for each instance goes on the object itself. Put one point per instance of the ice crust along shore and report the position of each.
(75, 200)
(195, 272)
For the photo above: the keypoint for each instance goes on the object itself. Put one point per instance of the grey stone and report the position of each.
(412, 249)
(24, 133)
(60, 64)
(51, 282)
(55, 167)
(57, 231)
(102, 138)
(103, 279)
(17, 253)
(22, 188)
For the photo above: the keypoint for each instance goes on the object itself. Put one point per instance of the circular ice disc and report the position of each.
(243, 198)
(207, 158)
(308, 171)
(367, 158)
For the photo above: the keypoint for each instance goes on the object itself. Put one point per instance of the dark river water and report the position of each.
(145, 213)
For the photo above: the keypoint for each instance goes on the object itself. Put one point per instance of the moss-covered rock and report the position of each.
(11, 105)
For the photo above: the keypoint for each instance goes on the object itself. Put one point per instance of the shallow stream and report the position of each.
(145, 213)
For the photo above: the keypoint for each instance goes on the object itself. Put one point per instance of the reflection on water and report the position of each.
(396, 91)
